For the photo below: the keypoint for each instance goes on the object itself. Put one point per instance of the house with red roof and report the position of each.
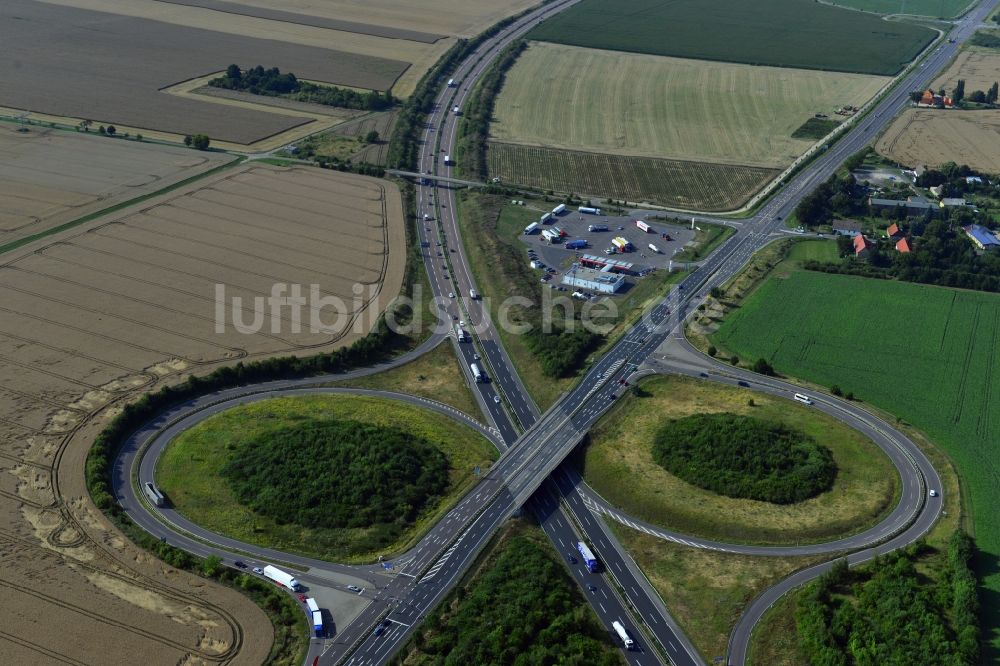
(903, 246)
(894, 231)
(862, 246)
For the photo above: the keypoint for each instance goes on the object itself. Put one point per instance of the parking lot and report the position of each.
(575, 225)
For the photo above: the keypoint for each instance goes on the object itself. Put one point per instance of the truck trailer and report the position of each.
(655, 249)
(154, 495)
(588, 556)
(621, 244)
(589, 211)
(643, 226)
(477, 373)
(281, 578)
(622, 634)
(548, 217)
(597, 227)
(550, 235)
(559, 210)
(531, 228)
(317, 618)
(577, 244)
(461, 334)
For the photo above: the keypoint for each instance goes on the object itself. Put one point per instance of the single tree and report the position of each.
(200, 141)
(233, 72)
(991, 95)
(959, 92)
(187, 139)
(101, 130)
(111, 130)
(371, 137)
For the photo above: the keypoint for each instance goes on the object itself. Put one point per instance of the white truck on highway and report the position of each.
(477, 373)
(622, 634)
(457, 111)
(281, 578)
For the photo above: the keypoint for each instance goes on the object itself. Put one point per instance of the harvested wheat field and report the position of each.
(92, 317)
(50, 177)
(576, 98)
(376, 29)
(111, 68)
(930, 137)
(980, 69)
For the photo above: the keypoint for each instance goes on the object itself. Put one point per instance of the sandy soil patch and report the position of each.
(929, 137)
(49, 177)
(120, 305)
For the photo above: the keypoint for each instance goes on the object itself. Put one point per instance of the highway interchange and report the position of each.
(529, 472)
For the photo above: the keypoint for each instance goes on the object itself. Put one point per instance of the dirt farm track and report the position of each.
(93, 316)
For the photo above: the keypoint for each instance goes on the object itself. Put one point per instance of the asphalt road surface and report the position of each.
(524, 474)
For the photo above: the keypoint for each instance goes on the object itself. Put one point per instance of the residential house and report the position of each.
(948, 202)
(904, 246)
(846, 228)
(931, 98)
(937, 190)
(982, 237)
(895, 231)
(862, 246)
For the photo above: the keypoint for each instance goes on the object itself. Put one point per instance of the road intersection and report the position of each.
(529, 472)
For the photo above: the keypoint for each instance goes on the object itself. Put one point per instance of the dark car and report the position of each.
(571, 558)
(240, 564)
(743, 383)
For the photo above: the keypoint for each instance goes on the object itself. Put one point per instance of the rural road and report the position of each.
(425, 575)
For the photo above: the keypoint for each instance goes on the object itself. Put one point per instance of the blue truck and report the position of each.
(577, 244)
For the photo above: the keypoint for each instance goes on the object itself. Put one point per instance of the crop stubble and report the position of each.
(118, 306)
(930, 137)
(49, 177)
(677, 183)
(629, 104)
(111, 68)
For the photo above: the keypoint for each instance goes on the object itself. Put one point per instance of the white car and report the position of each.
(258, 570)
(933, 493)
(451, 294)
(496, 399)
(353, 588)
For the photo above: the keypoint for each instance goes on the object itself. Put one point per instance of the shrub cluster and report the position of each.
(273, 82)
(359, 474)
(522, 610)
(561, 352)
(745, 457)
(895, 619)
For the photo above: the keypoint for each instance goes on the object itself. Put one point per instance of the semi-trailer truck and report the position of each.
(550, 235)
(477, 373)
(548, 217)
(597, 227)
(577, 244)
(317, 618)
(589, 211)
(154, 495)
(531, 228)
(643, 226)
(621, 243)
(622, 634)
(588, 556)
(461, 334)
(559, 210)
(655, 249)
(281, 578)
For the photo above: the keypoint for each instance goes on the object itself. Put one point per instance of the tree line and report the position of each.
(478, 111)
(744, 457)
(884, 614)
(523, 609)
(275, 83)
(337, 474)
(562, 352)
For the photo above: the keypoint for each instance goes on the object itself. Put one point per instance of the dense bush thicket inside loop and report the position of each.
(338, 474)
(744, 457)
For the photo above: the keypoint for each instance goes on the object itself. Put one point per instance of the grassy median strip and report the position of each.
(190, 472)
(618, 463)
(435, 375)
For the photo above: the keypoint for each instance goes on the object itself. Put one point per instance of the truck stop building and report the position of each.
(603, 282)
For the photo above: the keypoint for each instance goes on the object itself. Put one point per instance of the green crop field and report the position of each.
(932, 8)
(783, 33)
(630, 104)
(693, 185)
(927, 354)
